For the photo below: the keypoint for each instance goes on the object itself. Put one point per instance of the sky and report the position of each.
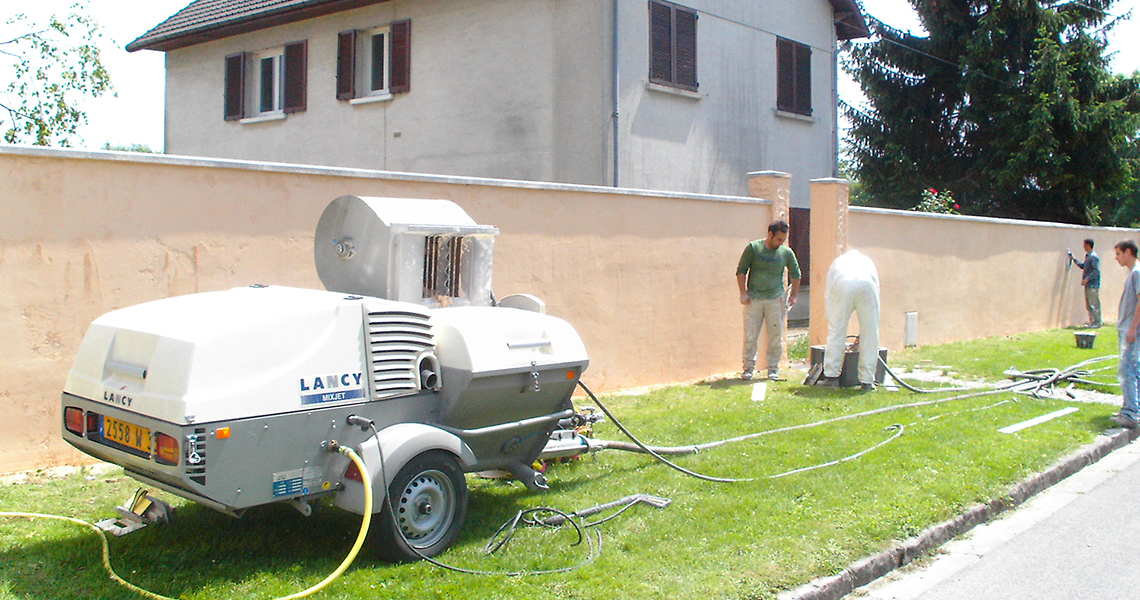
(134, 116)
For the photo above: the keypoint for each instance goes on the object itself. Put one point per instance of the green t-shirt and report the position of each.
(765, 268)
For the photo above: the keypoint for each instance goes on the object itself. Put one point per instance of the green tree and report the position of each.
(51, 67)
(1008, 104)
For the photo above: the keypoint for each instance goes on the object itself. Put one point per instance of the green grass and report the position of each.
(744, 540)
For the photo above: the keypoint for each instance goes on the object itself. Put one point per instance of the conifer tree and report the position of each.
(1008, 104)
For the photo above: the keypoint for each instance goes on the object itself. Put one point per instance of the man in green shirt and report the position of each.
(760, 277)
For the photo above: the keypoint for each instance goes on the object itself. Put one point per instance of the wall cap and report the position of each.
(249, 165)
(973, 219)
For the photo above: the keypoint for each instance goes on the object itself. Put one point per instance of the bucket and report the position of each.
(1085, 339)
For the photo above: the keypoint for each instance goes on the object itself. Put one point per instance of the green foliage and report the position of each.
(743, 540)
(1009, 105)
(934, 201)
(143, 148)
(52, 67)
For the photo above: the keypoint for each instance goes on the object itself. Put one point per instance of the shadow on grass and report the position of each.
(199, 549)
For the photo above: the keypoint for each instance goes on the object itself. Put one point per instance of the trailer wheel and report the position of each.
(430, 496)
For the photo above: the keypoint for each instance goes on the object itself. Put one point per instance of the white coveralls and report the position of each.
(852, 286)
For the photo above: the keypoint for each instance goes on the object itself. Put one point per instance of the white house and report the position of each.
(685, 97)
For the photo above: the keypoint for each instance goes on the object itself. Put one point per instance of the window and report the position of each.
(793, 77)
(266, 83)
(672, 45)
(374, 62)
(269, 86)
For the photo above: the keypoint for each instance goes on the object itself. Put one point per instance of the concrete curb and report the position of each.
(874, 567)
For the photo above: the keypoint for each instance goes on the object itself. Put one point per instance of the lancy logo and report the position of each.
(331, 388)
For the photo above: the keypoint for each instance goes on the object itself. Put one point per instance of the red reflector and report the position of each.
(73, 420)
(92, 422)
(165, 449)
(353, 473)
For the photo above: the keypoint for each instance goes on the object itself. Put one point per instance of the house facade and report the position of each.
(688, 96)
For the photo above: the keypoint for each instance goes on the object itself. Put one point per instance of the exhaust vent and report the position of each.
(400, 343)
(443, 266)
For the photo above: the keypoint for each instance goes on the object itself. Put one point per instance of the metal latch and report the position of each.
(192, 455)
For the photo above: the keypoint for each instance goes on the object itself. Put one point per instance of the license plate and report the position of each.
(127, 434)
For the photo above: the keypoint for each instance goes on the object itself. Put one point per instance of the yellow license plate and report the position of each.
(127, 434)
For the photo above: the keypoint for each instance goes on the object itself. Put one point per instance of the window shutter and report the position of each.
(785, 75)
(235, 87)
(685, 32)
(346, 65)
(296, 76)
(803, 79)
(660, 43)
(400, 79)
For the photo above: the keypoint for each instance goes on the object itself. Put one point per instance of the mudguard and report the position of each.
(397, 445)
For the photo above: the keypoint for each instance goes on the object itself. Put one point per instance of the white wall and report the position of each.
(708, 144)
(522, 89)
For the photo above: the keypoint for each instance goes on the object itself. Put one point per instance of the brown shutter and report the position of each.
(785, 75)
(346, 65)
(803, 79)
(685, 35)
(660, 43)
(235, 87)
(400, 80)
(296, 76)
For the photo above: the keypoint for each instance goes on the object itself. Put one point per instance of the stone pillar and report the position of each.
(828, 240)
(776, 187)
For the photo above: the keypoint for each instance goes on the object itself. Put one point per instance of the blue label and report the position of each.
(331, 396)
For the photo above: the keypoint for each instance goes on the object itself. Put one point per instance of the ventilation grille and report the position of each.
(443, 265)
(196, 467)
(396, 341)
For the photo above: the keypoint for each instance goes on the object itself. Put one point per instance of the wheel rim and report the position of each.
(426, 508)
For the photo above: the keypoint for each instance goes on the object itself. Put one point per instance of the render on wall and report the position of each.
(524, 89)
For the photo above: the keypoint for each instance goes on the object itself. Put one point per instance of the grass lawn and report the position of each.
(717, 540)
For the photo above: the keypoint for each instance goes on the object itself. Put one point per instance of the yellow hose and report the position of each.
(302, 594)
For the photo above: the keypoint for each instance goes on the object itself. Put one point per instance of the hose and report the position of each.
(701, 447)
(302, 594)
(595, 547)
(1035, 383)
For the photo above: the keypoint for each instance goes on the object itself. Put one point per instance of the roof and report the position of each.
(849, 20)
(206, 20)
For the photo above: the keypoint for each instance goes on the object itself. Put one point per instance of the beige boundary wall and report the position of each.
(965, 277)
(646, 278)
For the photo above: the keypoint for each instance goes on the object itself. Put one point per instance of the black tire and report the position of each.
(430, 495)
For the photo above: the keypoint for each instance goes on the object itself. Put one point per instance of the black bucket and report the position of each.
(1085, 339)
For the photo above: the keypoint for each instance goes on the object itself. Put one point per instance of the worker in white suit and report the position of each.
(852, 286)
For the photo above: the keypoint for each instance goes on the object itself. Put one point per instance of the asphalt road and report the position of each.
(1078, 540)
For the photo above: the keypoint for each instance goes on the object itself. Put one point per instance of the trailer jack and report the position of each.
(140, 510)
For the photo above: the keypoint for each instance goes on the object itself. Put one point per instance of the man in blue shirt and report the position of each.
(1090, 279)
(1127, 318)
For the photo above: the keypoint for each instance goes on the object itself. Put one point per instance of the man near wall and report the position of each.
(1128, 317)
(852, 287)
(760, 278)
(1090, 279)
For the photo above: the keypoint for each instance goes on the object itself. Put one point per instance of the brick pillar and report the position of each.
(774, 186)
(828, 240)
